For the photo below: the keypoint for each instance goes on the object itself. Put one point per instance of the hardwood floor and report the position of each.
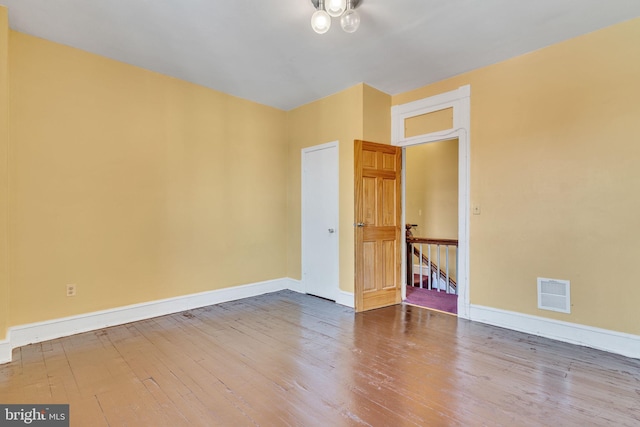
(291, 359)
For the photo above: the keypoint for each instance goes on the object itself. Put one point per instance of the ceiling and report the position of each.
(265, 51)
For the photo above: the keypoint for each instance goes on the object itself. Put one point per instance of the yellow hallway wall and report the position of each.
(135, 186)
(416, 176)
(554, 167)
(432, 189)
(4, 171)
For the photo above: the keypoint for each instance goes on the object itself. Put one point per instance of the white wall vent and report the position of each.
(554, 295)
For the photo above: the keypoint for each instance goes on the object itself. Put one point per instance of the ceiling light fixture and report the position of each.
(336, 8)
(326, 9)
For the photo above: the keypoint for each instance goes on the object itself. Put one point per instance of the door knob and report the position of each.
(360, 224)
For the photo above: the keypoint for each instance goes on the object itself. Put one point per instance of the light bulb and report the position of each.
(350, 21)
(320, 21)
(336, 8)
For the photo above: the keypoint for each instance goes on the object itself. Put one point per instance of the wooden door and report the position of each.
(377, 231)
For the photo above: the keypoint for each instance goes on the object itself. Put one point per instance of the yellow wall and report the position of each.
(135, 186)
(376, 115)
(432, 189)
(416, 175)
(4, 142)
(360, 112)
(334, 118)
(554, 167)
(435, 121)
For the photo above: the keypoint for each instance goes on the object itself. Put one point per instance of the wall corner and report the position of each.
(4, 171)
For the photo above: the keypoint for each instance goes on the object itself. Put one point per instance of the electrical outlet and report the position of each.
(71, 290)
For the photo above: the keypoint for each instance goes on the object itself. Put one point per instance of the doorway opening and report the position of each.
(438, 118)
(431, 217)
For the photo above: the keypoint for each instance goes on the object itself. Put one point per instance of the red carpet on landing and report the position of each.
(432, 299)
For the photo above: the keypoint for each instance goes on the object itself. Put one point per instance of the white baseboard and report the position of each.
(342, 297)
(601, 339)
(51, 329)
(295, 285)
(5, 351)
(346, 298)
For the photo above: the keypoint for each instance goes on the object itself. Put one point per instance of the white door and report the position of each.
(320, 220)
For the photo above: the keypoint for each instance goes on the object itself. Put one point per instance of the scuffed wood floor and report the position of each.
(290, 359)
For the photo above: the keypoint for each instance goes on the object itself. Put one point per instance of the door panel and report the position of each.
(388, 162)
(389, 248)
(377, 236)
(388, 205)
(369, 195)
(369, 273)
(369, 159)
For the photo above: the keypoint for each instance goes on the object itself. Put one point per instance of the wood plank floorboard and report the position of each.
(286, 359)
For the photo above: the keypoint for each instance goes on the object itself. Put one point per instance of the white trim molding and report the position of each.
(460, 100)
(346, 299)
(601, 339)
(295, 285)
(5, 351)
(56, 328)
(451, 99)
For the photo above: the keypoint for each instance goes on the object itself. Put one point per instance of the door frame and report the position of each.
(334, 144)
(460, 101)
